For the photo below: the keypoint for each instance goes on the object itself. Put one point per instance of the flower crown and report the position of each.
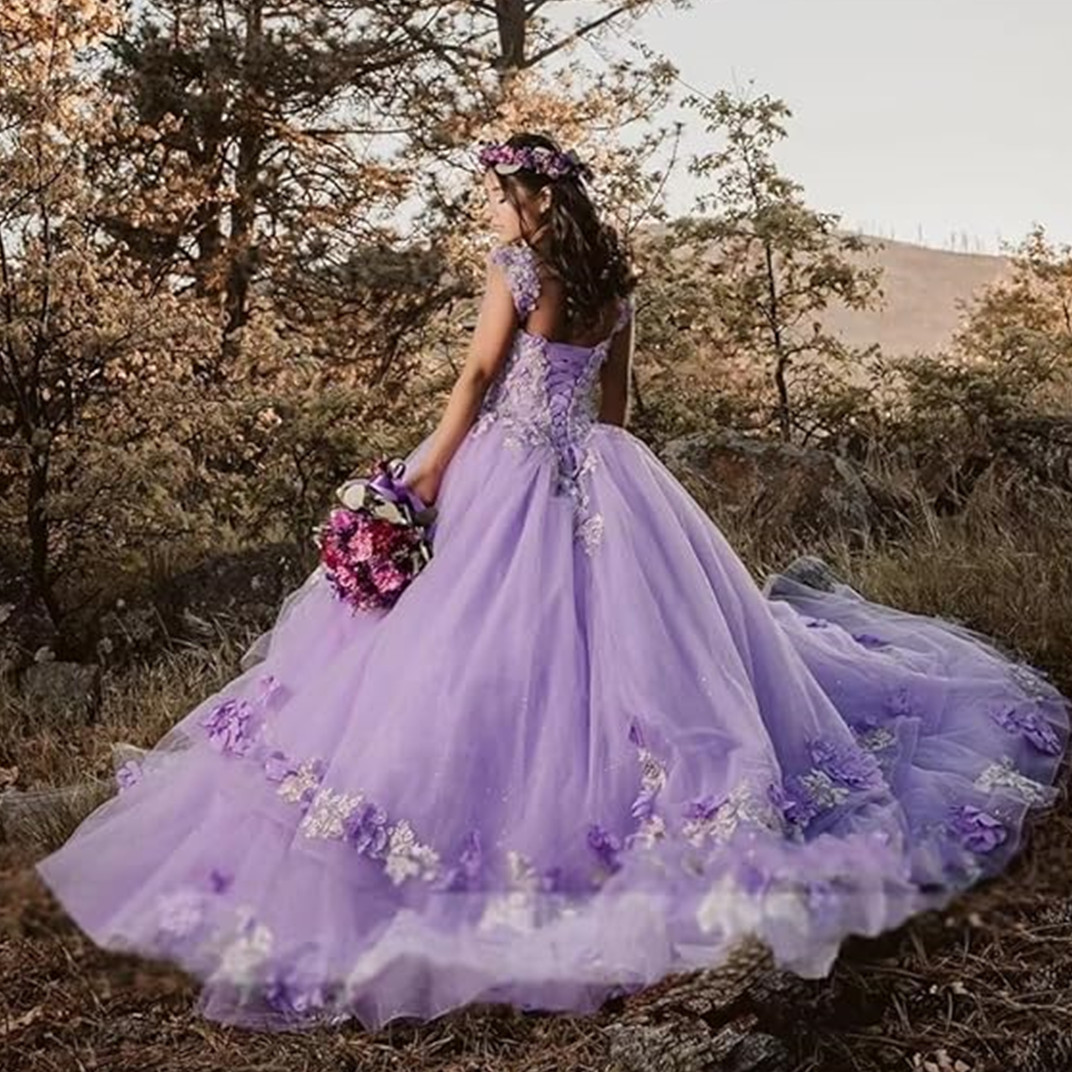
(506, 159)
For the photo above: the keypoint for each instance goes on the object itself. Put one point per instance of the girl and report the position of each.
(583, 750)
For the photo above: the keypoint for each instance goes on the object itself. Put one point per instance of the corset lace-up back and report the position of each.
(544, 395)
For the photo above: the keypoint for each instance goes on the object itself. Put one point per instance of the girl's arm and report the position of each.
(488, 348)
(614, 376)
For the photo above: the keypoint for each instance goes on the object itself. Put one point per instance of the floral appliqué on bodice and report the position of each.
(545, 393)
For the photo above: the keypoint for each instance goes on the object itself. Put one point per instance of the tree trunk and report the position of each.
(247, 174)
(511, 19)
(37, 527)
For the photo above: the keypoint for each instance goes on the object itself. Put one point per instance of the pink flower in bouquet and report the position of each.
(361, 542)
(342, 520)
(388, 577)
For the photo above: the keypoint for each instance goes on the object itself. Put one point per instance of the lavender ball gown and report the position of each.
(583, 751)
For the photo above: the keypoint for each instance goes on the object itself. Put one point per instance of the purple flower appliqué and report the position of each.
(366, 828)
(277, 766)
(127, 775)
(462, 876)
(644, 805)
(551, 880)
(703, 807)
(979, 831)
(605, 845)
(868, 640)
(793, 801)
(219, 881)
(821, 898)
(270, 685)
(848, 764)
(300, 785)
(898, 703)
(752, 879)
(230, 727)
(1037, 731)
(288, 990)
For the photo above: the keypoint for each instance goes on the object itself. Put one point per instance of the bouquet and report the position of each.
(373, 545)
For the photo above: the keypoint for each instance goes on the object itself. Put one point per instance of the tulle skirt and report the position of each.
(560, 770)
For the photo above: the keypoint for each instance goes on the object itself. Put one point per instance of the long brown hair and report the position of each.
(585, 252)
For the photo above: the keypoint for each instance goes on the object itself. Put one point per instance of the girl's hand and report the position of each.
(424, 483)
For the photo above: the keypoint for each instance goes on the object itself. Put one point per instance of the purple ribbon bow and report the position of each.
(388, 483)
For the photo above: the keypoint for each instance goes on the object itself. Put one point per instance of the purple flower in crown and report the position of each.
(1027, 723)
(848, 763)
(128, 774)
(506, 159)
(979, 831)
(230, 727)
(605, 845)
(366, 828)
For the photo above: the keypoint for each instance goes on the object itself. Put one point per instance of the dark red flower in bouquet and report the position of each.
(373, 546)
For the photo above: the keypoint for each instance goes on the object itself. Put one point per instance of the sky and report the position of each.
(942, 122)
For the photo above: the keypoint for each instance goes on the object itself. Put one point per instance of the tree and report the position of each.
(269, 138)
(74, 328)
(1011, 362)
(240, 143)
(779, 262)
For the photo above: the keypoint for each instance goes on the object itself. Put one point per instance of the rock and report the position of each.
(242, 589)
(809, 570)
(703, 1021)
(129, 632)
(25, 631)
(776, 488)
(59, 693)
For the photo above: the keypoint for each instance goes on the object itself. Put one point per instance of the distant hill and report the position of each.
(921, 287)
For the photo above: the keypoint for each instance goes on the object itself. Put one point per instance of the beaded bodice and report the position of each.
(544, 394)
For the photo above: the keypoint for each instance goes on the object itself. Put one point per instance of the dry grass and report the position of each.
(987, 983)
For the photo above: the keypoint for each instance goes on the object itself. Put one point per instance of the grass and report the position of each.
(987, 983)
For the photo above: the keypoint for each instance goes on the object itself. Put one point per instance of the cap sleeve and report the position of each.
(518, 262)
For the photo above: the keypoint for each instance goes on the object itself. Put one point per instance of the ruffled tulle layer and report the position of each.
(561, 769)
